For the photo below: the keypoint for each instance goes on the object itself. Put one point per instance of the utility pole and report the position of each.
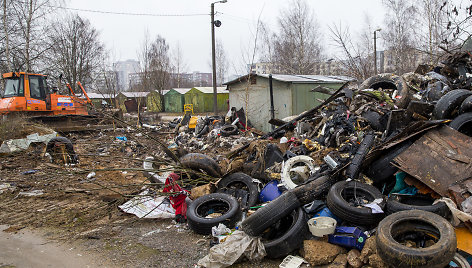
(213, 59)
(375, 50)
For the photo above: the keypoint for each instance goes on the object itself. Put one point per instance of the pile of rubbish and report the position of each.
(378, 176)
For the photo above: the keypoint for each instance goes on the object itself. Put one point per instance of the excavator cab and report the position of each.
(14, 87)
(26, 92)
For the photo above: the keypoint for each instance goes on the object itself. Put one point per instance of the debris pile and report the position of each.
(377, 175)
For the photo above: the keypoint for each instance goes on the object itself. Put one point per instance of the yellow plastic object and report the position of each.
(192, 122)
(188, 108)
(464, 239)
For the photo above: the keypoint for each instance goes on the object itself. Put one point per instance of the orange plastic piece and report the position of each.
(464, 239)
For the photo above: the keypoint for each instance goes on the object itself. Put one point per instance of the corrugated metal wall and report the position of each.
(155, 102)
(203, 102)
(258, 101)
(304, 99)
(174, 102)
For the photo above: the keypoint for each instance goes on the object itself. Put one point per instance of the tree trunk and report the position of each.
(28, 33)
(7, 45)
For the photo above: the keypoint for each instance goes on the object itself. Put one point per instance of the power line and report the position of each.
(131, 14)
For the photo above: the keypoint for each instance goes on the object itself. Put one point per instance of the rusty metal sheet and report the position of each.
(440, 158)
(131, 105)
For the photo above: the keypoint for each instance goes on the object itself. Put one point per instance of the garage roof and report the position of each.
(298, 78)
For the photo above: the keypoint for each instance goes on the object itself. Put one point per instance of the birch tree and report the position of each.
(297, 48)
(399, 35)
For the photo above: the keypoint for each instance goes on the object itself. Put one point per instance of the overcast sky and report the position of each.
(123, 34)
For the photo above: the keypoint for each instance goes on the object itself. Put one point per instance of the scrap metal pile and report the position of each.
(378, 176)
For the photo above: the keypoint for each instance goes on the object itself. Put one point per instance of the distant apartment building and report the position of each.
(123, 69)
(263, 68)
(106, 82)
(330, 67)
(386, 60)
(134, 79)
(195, 79)
(201, 79)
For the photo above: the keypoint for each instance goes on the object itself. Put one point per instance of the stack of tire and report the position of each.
(456, 105)
(282, 223)
(235, 192)
(406, 217)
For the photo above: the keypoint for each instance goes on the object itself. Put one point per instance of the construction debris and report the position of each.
(330, 182)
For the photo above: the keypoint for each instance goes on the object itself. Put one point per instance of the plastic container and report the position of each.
(350, 237)
(193, 122)
(321, 226)
(270, 192)
(325, 212)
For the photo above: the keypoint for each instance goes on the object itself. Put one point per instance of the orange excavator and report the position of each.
(28, 93)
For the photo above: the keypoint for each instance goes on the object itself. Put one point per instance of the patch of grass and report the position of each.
(18, 127)
(6, 266)
(144, 252)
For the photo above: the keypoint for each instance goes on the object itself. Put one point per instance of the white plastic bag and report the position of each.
(149, 207)
(235, 246)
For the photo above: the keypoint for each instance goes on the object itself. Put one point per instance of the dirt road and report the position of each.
(26, 249)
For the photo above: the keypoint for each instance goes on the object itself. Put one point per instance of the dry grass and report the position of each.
(19, 127)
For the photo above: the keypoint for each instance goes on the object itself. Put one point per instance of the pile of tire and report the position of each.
(456, 105)
(282, 223)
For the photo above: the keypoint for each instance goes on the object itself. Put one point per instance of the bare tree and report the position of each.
(155, 65)
(459, 23)
(356, 59)
(78, 53)
(30, 22)
(6, 32)
(433, 32)
(179, 66)
(399, 35)
(297, 48)
(221, 62)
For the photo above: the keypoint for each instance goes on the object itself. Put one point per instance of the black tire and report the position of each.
(286, 235)
(353, 169)
(390, 81)
(466, 105)
(240, 180)
(266, 216)
(381, 169)
(396, 203)
(448, 105)
(228, 130)
(201, 162)
(225, 204)
(463, 124)
(460, 261)
(314, 189)
(391, 229)
(375, 120)
(338, 202)
(68, 145)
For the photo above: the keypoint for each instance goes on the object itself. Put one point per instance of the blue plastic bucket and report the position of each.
(270, 192)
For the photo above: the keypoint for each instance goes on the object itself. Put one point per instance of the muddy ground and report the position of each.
(73, 211)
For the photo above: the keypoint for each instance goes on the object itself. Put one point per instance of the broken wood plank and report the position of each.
(440, 158)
